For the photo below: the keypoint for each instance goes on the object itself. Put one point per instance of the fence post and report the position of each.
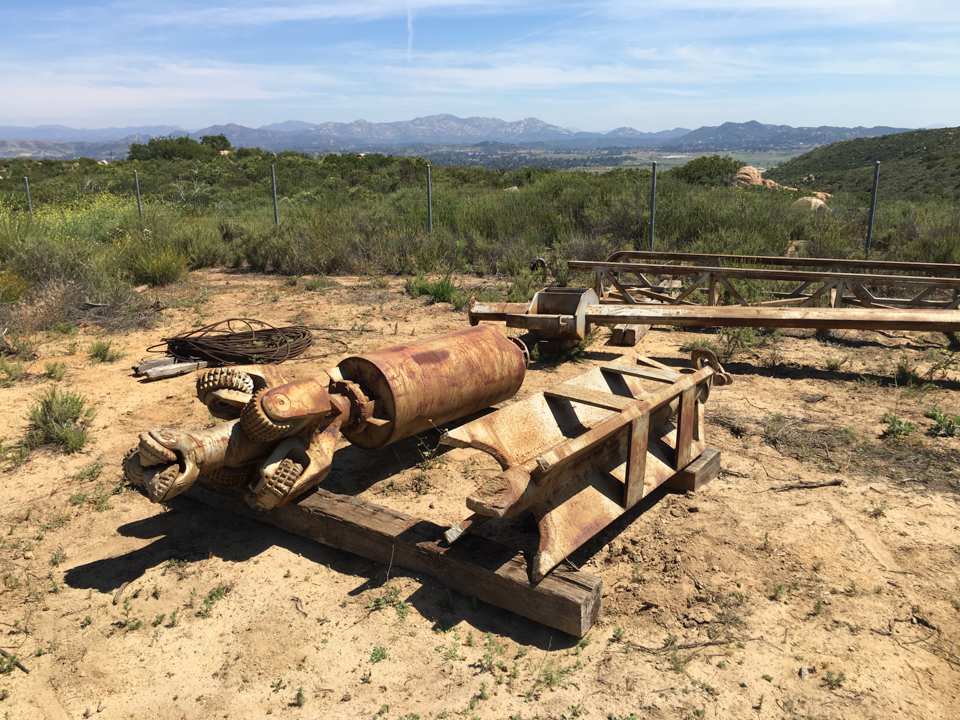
(653, 204)
(429, 199)
(26, 184)
(873, 209)
(136, 183)
(276, 207)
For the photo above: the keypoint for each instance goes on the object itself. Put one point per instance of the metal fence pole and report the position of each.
(653, 205)
(276, 207)
(26, 185)
(873, 209)
(429, 199)
(136, 184)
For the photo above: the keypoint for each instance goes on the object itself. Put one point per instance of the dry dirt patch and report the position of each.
(836, 602)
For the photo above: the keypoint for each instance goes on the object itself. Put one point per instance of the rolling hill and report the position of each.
(921, 163)
(754, 135)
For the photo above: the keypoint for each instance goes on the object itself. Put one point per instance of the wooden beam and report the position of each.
(623, 291)
(627, 335)
(765, 274)
(495, 311)
(745, 316)
(636, 460)
(666, 376)
(662, 297)
(697, 474)
(595, 398)
(566, 600)
(688, 419)
(719, 259)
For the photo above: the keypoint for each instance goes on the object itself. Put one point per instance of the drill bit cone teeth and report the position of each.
(223, 378)
(259, 426)
(295, 467)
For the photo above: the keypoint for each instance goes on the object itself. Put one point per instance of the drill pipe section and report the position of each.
(424, 385)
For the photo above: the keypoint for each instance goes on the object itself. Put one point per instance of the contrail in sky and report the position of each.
(409, 33)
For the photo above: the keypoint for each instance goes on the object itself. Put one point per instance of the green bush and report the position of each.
(104, 352)
(443, 290)
(156, 265)
(943, 425)
(60, 418)
(709, 170)
(896, 427)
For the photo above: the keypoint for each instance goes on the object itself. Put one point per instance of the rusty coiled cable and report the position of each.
(238, 341)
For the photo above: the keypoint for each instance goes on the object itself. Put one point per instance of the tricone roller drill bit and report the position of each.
(281, 438)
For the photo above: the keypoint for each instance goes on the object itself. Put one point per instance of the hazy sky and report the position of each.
(588, 65)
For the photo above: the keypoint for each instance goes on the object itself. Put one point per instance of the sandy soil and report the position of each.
(736, 602)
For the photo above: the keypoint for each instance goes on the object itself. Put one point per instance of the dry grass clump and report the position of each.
(60, 418)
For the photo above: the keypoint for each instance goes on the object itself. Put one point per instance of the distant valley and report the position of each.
(445, 138)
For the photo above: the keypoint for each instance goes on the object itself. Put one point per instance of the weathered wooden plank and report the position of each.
(566, 600)
(943, 269)
(636, 461)
(580, 394)
(494, 311)
(698, 473)
(746, 316)
(764, 273)
(627, 335)
(687, 419)
(666, 376)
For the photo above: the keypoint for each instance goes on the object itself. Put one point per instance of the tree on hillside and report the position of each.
(171, 148)
(709, 170)
(216, 142)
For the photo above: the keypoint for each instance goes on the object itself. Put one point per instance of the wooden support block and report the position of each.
(697, 474)
(627, 335)
(567, 600)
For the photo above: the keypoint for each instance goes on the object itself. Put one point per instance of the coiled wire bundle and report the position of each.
(238, 341)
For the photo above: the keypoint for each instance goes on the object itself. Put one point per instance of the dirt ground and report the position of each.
(736, 602)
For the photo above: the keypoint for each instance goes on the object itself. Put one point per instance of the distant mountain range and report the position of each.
(445, 130)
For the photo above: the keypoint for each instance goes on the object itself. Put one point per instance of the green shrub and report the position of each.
(104, 352)
(443, 290)
(11, 371)
(12, 287)
(709, 170)
(156, 265)
(943, 425)
(896, 427)
(55, 371)
(61, 418)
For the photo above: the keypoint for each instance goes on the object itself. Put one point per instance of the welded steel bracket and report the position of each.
(580, 454)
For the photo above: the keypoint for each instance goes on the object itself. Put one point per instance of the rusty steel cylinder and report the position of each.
(425, 384)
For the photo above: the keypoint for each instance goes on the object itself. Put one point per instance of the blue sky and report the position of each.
(587, 65)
